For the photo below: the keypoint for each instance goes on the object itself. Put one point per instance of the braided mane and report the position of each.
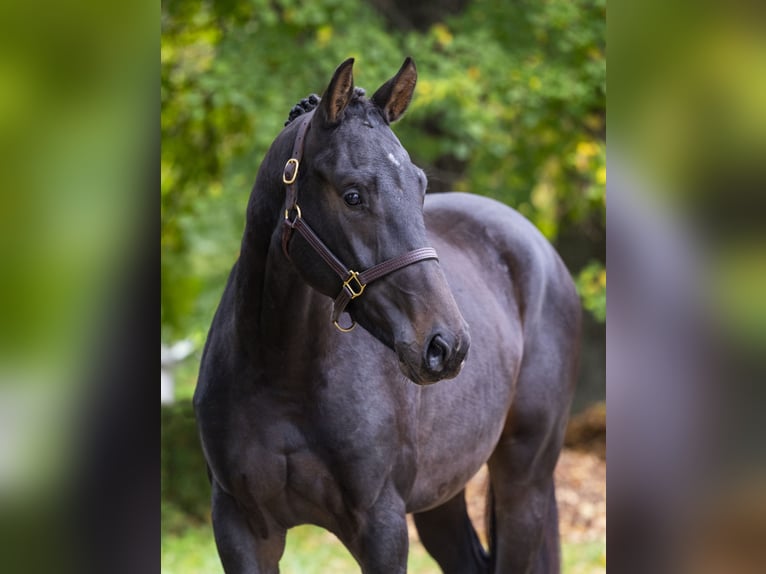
(312, 101)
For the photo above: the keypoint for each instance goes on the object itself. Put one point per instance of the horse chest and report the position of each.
(294, 468)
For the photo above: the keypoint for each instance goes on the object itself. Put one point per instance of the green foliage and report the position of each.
(184, 485)
(510, 103)
(591, 285)
(518, 92)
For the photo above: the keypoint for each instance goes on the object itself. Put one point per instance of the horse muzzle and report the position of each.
(441, 356)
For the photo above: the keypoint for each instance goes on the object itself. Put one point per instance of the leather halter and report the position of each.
(354, 282)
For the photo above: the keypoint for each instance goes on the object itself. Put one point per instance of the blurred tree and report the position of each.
(405, 14)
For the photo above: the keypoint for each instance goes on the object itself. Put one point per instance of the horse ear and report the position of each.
(338, 94)
(395, 95)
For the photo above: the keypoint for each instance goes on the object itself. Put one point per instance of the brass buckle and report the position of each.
(353, 276)
(291, 179)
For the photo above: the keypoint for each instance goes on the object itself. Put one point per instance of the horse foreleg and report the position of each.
(524, 518)
(448, 535)
(525, 529)
(245, 542)
(523, 502)
(378, 537)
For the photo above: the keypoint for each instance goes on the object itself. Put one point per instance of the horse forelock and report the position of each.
(311, 101)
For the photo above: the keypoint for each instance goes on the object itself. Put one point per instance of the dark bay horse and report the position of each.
(302, 421)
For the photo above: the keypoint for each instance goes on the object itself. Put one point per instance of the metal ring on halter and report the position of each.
(297, 208)
(345, 329)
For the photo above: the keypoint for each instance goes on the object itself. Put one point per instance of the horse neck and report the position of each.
(270, 295)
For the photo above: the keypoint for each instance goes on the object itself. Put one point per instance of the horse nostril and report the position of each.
(437, 353)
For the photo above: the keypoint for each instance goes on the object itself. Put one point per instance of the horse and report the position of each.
(304, 419)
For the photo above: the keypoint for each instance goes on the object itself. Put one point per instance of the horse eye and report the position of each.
(352, 198)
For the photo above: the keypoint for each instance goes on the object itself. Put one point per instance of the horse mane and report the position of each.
(312, 101)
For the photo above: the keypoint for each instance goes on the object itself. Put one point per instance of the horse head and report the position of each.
(364, 197)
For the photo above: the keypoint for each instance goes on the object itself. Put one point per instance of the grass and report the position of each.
(311, 550)
(584, 557)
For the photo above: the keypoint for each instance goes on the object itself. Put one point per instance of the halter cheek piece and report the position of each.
(354, 282)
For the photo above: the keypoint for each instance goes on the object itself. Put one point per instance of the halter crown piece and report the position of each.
(353, 282)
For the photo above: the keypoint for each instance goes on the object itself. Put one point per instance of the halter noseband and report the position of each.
(354, 282)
